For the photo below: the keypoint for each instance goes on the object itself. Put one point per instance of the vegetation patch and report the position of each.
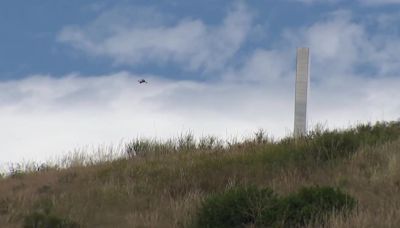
(43, 220)
(242, 206)
(43, 217)
(239, 206)
(313, 204)
(326, 145)
(162, 183)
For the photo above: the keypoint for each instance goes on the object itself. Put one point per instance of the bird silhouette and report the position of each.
(142, 81)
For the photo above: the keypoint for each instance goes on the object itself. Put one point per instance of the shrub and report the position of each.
(311, 205)
(334, 144)
(327, 145)
(237, 207)
(210, 143)
(240, 206)
(186, 142)
(44, 220)
(138, 147)
(380, 132)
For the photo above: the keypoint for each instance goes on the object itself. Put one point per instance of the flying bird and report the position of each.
(142, 81)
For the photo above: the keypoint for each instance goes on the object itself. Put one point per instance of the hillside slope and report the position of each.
(165, 183)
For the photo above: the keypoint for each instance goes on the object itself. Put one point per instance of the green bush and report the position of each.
(334, 144)
(237, 207)
(311, 205)
(42, 217)
(380, 132)
(44, 220)
(327, 145)
(240, 206)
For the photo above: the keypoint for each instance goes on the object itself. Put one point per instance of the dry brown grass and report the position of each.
(373, 177)
(165, 189)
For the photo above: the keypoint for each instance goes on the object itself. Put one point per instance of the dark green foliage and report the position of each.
(16, 172)
(186, 142)
(240, 206)
(261, 137)
(311, 205)
(144, 147)
(333, 144)
(138, 147)
(237, 207)
(5, 204)
(327, 145)
(43, 220)
(379, 133)
(210, 143)
(319, 144)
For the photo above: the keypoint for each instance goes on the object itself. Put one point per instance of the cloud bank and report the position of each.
(45, 115)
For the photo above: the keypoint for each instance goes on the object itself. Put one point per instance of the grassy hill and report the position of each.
(166, 183)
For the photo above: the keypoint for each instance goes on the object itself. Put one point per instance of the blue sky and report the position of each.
(30, 29)
(69, 69)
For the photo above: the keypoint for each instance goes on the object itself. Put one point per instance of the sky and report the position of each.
(69, 69)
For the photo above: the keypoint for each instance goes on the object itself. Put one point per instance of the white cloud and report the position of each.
(341, 47)
(263, 65)
(337, 43)
(43, 115)
(189, 42)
